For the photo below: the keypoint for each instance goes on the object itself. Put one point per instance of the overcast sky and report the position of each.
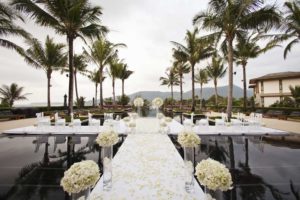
(147, 29)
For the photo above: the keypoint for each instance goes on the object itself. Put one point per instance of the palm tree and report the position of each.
(295, 91)
(233, 19)
(170, 80)
(196, 49)
(202, 78)
(245, 49)
(12, 93)
(124, 74)
(94, 77)
(101, 52)
(215, 71)
(49, 57)
(291, 25)
(80, 65)
(72, 18)
(114, 71)
(9, 28)
(181, 67)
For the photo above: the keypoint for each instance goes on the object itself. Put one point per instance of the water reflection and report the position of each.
(41, 179)
(261, 168)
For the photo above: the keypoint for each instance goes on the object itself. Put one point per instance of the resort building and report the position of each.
(273, 87)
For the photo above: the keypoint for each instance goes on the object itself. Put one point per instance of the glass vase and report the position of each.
(139, 111)
(213, 194)
(107, 154)
(83, 195)
(189, 168)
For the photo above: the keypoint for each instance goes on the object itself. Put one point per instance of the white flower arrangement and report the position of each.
(138, 102)
(163, 124)
(160, 115)
(132, 124)
(157, 102)
(126, 119)
(107, 138)
(188, 139)
(213, 175)
(80, 176)
(168, 119)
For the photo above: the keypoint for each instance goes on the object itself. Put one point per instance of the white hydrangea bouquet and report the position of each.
(138, 102)
(213, 175)
(80, 176)
(188, 139)
(107, 138)
(157, 102)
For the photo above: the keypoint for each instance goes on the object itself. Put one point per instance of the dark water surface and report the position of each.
(261, 169)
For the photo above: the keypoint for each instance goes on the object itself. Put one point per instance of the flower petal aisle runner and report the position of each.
(147, 166)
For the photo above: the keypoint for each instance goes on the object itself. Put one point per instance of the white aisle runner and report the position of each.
(147, 166)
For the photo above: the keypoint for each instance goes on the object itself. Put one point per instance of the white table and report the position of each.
(176, 128)
(63, 130)
(147, 166)
(146, 125)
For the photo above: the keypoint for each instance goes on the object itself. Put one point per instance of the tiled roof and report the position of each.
(279, 75)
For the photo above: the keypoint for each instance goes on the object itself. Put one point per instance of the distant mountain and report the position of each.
(207, 92)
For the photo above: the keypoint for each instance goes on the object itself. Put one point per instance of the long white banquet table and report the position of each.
(176, 128)
(62, 130)
(147, 166)
(153, 125)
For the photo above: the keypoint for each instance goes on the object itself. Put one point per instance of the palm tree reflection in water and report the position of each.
(41, 180)
(247, 185)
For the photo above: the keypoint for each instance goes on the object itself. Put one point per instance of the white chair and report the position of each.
(42, 121)
(59, 121)
(93, 122)
(220, 122)
(75, 122)
(203, 122)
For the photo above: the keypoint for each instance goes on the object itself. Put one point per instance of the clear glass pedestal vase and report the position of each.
(107, 154)
(213, 195)
(189, 168)
(83, 195)
(139, 111)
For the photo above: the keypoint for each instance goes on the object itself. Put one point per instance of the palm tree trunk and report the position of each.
(245, 87)
(123, 93)
(230, 77)
(101, 87)
(216, 92)
(101, 95)
(96, 89)
(180, 91)
(76, 88)
(193, 87)
(71, 73)
(48, 90)
(172, 96)
(113, 92)
(201, 96)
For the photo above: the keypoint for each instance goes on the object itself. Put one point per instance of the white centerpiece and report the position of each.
(80, 176)
(213, 175)
(189, 140)
(157, 102)
(106, 140)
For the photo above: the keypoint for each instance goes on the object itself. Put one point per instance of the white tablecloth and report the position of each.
(176, 127)
(147, 166)
(145, 125)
